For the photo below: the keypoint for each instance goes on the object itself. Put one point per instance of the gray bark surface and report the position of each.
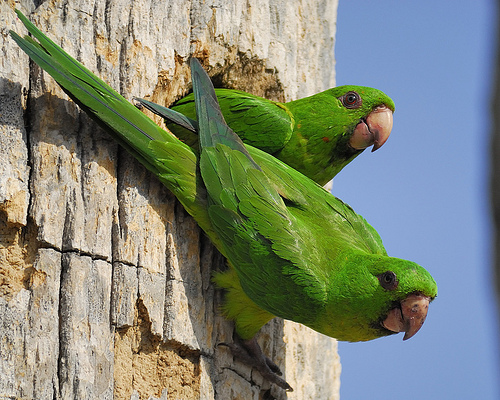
(105, 288)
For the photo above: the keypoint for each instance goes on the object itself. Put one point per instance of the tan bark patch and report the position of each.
(146, 364)
(17, 255)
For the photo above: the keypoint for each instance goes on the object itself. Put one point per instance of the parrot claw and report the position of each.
(250, 353)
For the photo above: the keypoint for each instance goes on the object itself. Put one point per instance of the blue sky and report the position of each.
(426, 190)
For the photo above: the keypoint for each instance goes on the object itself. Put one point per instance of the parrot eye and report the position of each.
(388, 280)
(351, 100)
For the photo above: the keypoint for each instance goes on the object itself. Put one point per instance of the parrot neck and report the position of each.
(317, 146)
(350, 306)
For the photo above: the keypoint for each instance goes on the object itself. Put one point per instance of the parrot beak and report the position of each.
(409, 317)
(373, 130)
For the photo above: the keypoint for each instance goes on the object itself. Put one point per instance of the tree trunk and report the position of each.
(105, 287)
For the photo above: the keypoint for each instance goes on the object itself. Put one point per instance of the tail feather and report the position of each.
(130, 127)
(213, 129)
(170, 115)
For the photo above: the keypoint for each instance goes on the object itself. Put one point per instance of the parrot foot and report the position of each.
(250, 353)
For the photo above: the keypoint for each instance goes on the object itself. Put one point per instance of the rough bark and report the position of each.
(105, 285)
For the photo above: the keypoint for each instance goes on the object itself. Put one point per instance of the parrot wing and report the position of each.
(259, 122)
(260, 215)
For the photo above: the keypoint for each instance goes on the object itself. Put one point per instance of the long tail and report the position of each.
(130, 127)
(162, 153)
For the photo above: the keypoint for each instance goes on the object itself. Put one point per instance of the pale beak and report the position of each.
(409, 317)
(373, 130)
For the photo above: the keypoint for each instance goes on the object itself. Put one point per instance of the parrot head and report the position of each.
(375, 295)
(366, 114)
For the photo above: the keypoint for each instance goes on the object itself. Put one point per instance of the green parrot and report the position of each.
(317, 135)
(294, 250)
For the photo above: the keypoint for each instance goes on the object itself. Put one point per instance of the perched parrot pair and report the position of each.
(294, 250)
